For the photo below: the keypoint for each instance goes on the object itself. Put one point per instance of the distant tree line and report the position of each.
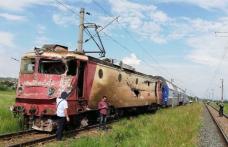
(8, 84)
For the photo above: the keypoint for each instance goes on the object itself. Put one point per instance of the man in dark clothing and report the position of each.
(221, 109)
(103, 109)
(62, 115)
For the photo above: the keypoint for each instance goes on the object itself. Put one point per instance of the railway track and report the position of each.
(20, 138)
(32, 137)
(225, 115)
(221, 122)
(8, 135)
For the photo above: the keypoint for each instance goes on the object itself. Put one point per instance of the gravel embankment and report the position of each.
(209, 133)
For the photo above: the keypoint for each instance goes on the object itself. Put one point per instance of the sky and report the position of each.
(183, 40)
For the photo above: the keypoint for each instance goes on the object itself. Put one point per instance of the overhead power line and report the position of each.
(148, 54)
(117, 42)
(14, 59)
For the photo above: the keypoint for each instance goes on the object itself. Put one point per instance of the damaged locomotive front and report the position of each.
(43, 76)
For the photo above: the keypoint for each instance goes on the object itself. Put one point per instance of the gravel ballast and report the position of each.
(209, 133)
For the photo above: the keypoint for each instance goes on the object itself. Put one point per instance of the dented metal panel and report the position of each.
(132, 90)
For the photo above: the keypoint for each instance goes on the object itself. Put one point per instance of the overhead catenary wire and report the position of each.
(117, 42)
(127, 32)
(114, 40)
(72, 11)
(148, 54)
(217, 68)
(116, 18)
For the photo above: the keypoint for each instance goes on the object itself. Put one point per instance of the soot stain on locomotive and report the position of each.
(120, 93)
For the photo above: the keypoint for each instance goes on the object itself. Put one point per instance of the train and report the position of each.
(44, 75)
(48, 71)
(172, 95)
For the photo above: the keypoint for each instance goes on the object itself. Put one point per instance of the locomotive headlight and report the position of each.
(20, 89)
(51, 91)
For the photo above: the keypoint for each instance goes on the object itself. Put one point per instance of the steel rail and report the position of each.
(52, 137)
(217, 124)
(8, 135)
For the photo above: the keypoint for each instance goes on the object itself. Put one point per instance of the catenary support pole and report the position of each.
(81, 29)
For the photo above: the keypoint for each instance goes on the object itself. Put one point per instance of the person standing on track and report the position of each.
(61, 111)
(103, 109)
(221, 106)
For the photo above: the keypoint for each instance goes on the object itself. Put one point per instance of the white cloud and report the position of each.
(208, 50)
(64, 19)
(41, 37)
(12, 17)
(206, 4)
(11, 67)
(66, 15)
(18, 5)
(131, 60)
(41, 29)
(6, 39)
(145, 20)
(207, 47)
(159, 16)
(41, 40)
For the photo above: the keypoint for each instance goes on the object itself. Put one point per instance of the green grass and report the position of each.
(7, 122)
(173, 127)
(226, 108)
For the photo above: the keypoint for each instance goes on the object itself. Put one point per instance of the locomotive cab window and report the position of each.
(48, 66)
(27, 65)
(71, 67)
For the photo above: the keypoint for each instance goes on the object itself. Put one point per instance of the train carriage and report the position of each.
(171, 94)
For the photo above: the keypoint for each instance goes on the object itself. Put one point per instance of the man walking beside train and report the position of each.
(61, 111)
(103, 110)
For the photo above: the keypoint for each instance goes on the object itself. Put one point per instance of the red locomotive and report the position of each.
(49, 70)
(44, 75)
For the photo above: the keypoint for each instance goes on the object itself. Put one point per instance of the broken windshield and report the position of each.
(48, 66)
(27, 65)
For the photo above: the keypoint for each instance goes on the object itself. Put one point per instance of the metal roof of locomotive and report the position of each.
(105, 62)
(55, 51)
(59, 51)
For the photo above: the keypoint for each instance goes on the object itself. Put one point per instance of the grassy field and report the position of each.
(171, 127)
(226, 108)
(7, 122)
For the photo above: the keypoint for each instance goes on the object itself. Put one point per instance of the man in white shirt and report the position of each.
(61, 111)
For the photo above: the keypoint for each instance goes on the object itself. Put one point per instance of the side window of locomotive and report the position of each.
(136, 81)
(72, 67)
(48, 66)
(27, 65)
(100, 73)
(119, 77)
